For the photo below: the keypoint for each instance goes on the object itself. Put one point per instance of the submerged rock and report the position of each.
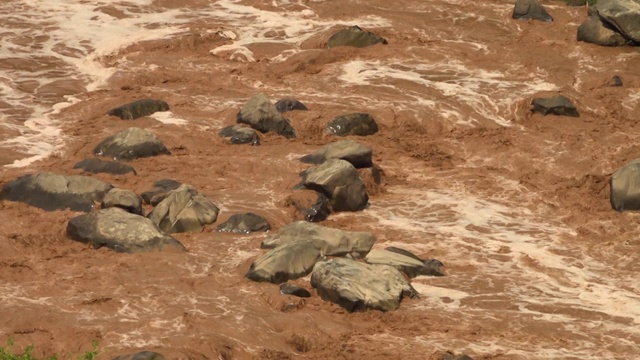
(240, 135)
(244, 223)
(340, 182)
(160, 191)
(290, 261)
(360, 124)
(357, 154)
(530, 10)
(96, 166)
(285, 105)
(262, 115)
(123, 199)
(131, 144)
(356, 37)
(557, 105)
(625, 187)
(184, 210)
(405, 261)
(138, 109)
(51, 192)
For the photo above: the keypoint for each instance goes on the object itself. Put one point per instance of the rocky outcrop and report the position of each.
(622, 15)
(143, 355)
(357, 154)
(123, 199)
(244, 223)
(556, 105)
(625, 187)
(96, 166)
(405, 261)
(262, 115)
(120, 231)
(287, 104)
(160, 191)
(329, 241)
(51, 192)
(184, 210)
(138, 109)
(594, 30)
(356, 37)
(360, 124)
(530, 10)
(357, 286)
(340, 182)
(289, 261)
(239, 134)
(131, 144)
(295, 290)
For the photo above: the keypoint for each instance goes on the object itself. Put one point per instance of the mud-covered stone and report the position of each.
(308, 205)
(356, 37)
(130, 144)
(262, 115)
(184, 210)
(96, 166)
(244, 223)
(360, 124)
(138, 109)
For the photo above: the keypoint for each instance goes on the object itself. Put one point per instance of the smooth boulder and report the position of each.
(357, 154)
(120, 231)
(244, 223)
(51, 192)
(625, 187)
(96, 166)
(130, 144)
(239, 134)
(262, 115)
(340, 182)
(360, 124)
(594, 30)
(160, 191)
(184, 210)
(530, 10)
(623, 15)
(138, 109)
(405, 261)
(356, 37)
(556, 105)
(356, 286)
(284, 105)
(289, 261)
(123, 199)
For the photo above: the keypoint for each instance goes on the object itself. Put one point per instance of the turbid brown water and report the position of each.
(515, 204)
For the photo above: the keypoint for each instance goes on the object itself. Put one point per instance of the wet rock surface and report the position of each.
(130, 144)
(184, 210)
(138, 109)
(262, 115)
(96, 166)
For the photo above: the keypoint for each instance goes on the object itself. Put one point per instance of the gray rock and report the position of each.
(285, 105)
(51, 192)
(357, 286)
(160, 191)
(623, 15)
(138, 109)
(96, 166)
(594, 31)
(405, 261)
(330, 241)
(295, 290)
(340, 182)
(143, 355)
(530, 10)
(360, 124)
(262, 115)
(290, 261)
(184, 210)
(557, 105)
(120, 231)
(244, 223)
(240, 134)
(625, 187)
(357, 154)
(124, 199)
(130, 144)
(356, 37)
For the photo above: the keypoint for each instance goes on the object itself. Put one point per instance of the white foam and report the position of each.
(168, 118)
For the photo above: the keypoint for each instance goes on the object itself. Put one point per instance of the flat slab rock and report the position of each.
(360, 124)
(184, 210)
(51, 192)
(625, 187)
(405, 262)
(121, 231)
(262, 115)
(357, 286)
(290, 261)
(130, 144)
(556, 105)
(96, 166)
(359, 155)
(138, 109)
(340, 182)
(244, 223)
(356, 37)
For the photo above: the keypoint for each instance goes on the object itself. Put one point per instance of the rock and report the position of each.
(244, 223)
(308, 205)
(295, 290)
(287, 104)
(330, 241)
(160, 191)
(357, 286)
(357, 154)
(360, 124)
(594, 31)
(143, 355)
(340, 182)
(124, 199)
(405, 261)
(530, 10)
(557, 105)
(623, 15)
(289, 261)
(240, 135)
(262, 115)
(51, 192)
(356, 37)
(138, 109)
(617, 81)
(625, 187)
(184, 210)
(131, 144)
(452, 356)
(96, 166)
(120, 231)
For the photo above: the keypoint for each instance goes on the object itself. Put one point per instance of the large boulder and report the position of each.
(357, 286)
(123, 199)
(120, 231)
(625, 187)
(556, 105)
(405, 261)
(96, 166)
(623, 15)
(360, 124)
(160, 191)
(262, 115)
(330, 241)
(340, 182)
(290, 261)
(130, 144)
(530, 10)
(51, 192)
(240, 134)
(594, 30)
(287, 104)
(138, 109)
(357, 154)
(356, 37)
(244, 223)
(184, 210)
